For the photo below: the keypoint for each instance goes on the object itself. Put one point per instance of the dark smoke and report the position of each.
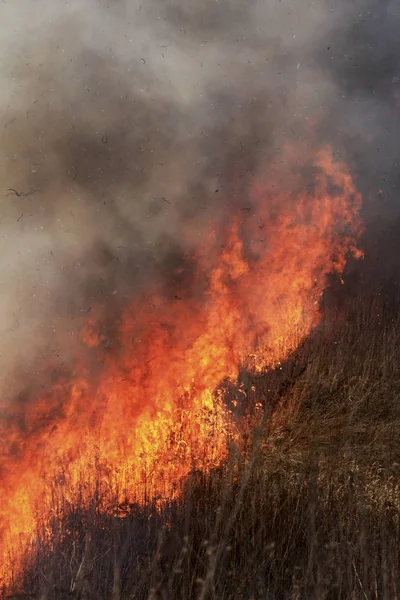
(122, 121)
(363, 61)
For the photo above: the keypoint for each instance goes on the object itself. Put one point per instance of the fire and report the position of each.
(134, 429)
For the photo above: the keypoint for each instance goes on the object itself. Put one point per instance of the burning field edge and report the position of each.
(308, 509)
(173, 432)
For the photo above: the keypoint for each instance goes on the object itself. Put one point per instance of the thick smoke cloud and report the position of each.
(121, 121)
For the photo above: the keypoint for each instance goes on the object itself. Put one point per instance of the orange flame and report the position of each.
(152, 414)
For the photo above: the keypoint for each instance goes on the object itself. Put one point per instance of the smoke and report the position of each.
(363, 64)
(122, 121)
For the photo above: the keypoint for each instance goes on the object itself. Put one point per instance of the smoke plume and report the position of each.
(123, 121)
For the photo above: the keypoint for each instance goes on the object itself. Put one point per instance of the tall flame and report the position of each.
(152, 414)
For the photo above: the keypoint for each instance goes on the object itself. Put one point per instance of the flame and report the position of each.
(135, 428)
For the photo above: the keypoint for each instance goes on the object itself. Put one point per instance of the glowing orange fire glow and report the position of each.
(135, 429)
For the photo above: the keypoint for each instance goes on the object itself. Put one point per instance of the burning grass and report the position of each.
(143, 408)
(310, 509)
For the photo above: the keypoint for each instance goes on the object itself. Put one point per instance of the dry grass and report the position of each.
(311, 510)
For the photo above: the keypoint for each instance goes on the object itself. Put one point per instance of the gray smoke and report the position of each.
(122, 120)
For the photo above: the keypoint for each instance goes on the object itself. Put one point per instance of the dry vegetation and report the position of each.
(311, 509)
